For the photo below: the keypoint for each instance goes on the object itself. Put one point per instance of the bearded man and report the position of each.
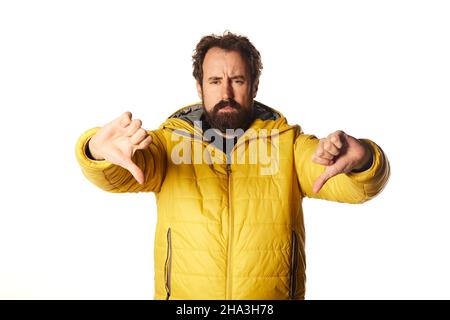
(229, 174)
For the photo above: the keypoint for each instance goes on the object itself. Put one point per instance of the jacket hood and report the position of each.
(186, 119)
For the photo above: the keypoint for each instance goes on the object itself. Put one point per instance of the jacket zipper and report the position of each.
(168, 265)
(228, 288)
(294, 266)
(230, 237)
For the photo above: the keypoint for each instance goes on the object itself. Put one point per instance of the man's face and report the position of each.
(227, 93)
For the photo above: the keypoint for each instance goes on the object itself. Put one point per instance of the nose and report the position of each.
(227, 90)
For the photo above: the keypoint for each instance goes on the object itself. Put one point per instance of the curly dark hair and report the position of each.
(230, 42)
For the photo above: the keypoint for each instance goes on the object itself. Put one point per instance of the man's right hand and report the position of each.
(117, 142)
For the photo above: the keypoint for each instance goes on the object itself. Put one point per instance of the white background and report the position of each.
(376, 69)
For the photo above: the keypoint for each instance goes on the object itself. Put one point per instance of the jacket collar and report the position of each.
(187, 119)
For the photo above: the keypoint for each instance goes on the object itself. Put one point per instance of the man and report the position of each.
(229, 175)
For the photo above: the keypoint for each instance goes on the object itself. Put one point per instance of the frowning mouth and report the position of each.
(228, 109)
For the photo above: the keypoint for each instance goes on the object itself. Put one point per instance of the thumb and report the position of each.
(134, 170)
(329, 172)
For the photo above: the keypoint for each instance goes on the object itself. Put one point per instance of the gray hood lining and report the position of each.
(194, 113)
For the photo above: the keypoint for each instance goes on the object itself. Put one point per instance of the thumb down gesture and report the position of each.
(340, 153)
(117, 142)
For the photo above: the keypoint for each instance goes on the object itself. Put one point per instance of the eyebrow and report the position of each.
(240, 77)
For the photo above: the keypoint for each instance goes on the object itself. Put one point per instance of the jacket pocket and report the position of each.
(294, 266)
(168, 265)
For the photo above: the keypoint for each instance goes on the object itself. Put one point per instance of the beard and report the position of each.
(239, 117)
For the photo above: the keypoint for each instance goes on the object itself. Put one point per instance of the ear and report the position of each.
(199, 90)
(255, 88)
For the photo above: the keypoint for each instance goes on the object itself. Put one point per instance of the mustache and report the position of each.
(225, 103)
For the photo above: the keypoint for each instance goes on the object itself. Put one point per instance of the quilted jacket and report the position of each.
(231, 230)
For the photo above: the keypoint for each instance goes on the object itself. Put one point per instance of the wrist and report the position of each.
(367, 161)
(90, 153)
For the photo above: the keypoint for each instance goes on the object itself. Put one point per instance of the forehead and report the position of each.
(223, 61)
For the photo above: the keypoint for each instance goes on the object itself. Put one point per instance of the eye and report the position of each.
(214, 82)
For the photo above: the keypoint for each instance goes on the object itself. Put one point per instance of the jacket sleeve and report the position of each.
(350, 187)
(113, 178)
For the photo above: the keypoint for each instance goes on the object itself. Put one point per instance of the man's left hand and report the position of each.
(340, 153)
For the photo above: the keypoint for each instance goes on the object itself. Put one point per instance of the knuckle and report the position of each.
(317, 160)
(134, 123)
(341, 134)
(126, 114)
(125, 119)
(134, 126)
(141, 132)
(146, 142)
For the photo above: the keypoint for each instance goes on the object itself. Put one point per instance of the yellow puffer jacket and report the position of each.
(229, 231)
